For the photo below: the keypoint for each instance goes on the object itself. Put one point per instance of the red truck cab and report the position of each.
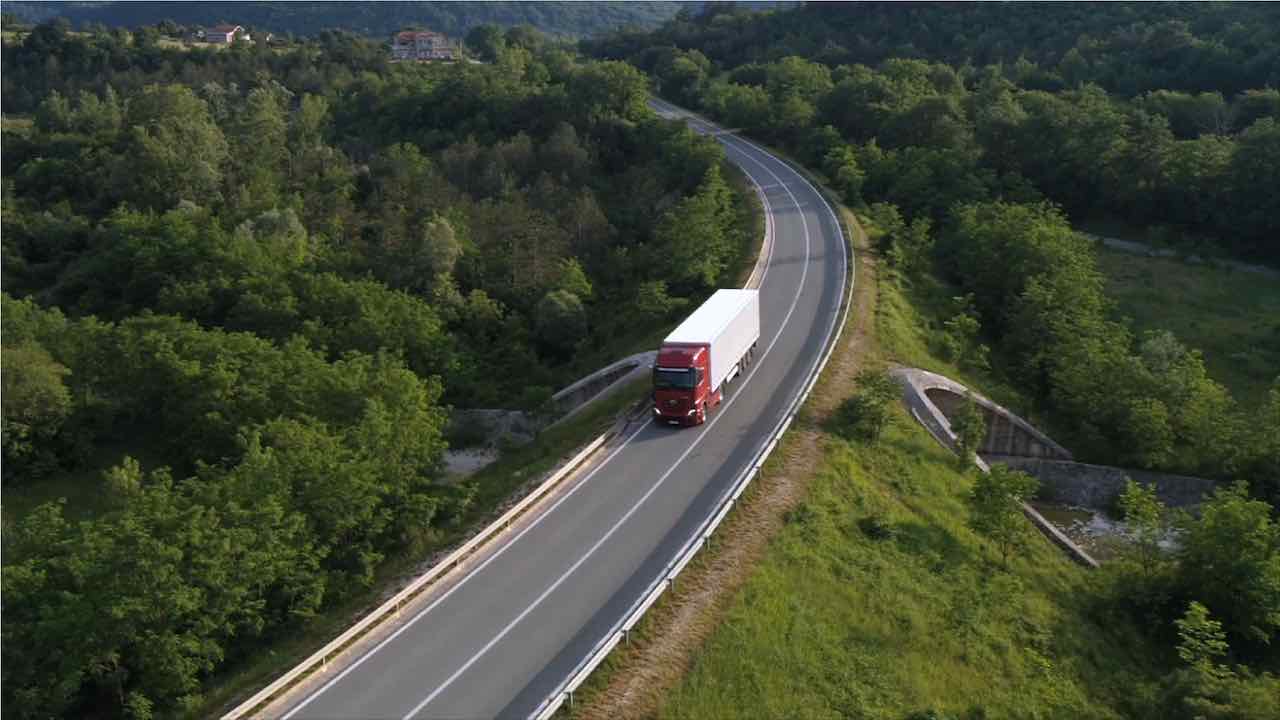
(703, 353)
(682, 384)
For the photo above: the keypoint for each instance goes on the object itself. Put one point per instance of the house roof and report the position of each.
(224, 29)
(411, 35)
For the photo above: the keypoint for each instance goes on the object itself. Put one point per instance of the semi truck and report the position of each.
(706, 351)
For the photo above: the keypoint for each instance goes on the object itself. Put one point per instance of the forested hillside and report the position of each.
(970, 168)
(972, 136)
(1128, 48)
(1159, 114)
(573, 19)
(270, 274)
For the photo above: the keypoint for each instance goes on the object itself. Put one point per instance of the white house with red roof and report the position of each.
(225, 34)
(423, 45)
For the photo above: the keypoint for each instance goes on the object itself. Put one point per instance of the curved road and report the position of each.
(506, 635)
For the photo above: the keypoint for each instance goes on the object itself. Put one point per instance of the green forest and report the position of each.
(573, 19)
(242, 291)
(974, 171)
(244, 287)
(972, 137)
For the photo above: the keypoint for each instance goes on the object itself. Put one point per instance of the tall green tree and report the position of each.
(36, 405)
(172, 150)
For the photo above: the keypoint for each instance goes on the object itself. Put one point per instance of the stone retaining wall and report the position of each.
(1098, 486)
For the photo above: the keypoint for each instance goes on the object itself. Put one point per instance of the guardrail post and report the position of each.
(626, 637)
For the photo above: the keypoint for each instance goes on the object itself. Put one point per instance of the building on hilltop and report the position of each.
(225, 34)
(423, 46)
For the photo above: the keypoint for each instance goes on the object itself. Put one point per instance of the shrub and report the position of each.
(869, 411)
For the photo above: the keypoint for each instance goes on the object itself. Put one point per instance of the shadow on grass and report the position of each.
(931, 541)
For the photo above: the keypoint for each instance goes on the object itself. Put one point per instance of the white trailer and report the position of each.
(728, 324)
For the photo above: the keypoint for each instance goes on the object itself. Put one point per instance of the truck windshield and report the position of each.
(673, 379)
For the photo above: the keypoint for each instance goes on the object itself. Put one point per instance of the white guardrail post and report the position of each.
(701, 537)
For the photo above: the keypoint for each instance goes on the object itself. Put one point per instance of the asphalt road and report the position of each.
(503, 638)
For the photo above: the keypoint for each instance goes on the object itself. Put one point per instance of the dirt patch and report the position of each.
(463, 463)
(668, 639)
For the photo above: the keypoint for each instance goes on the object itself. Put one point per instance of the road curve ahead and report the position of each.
(505, 636)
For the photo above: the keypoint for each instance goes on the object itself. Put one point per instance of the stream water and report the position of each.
(1101, 535)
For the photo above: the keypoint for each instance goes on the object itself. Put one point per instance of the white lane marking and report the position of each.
(804, 273)
(468, 576)
(768, 229)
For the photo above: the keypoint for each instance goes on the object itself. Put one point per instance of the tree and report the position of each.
(309, 123)
(1148, 432)
(910, 249)
(995, 507)
(888, 219)
(653, 302)
(1253, 175)
(486, 41)
(598, 90)
(1148, 525)
(869, 411)
(1201, 411)
(1262, 466)
(560, 322)
(1201, 642)
(1230, 559)
(692, 238)
(172, 151)
(960, 338)
(423, 256)
(841, 165)
(573, 279)
(970, 428)
(259, 148)
(36, 404)
(1253, 105)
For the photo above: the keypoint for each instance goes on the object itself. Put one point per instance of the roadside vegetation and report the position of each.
(978, 168)
(899, 588)
(904, 587)
(243, 290)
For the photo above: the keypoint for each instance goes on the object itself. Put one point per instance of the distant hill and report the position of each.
(575, 19)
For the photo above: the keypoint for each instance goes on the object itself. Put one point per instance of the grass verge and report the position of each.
(875, 600)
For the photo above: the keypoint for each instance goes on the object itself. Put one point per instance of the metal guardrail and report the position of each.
(393, 606)
(666, 579)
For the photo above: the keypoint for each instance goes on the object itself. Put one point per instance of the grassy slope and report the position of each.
(1233, 317)
(836, 623)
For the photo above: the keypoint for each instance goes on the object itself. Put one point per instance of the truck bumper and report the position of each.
(681, 419)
